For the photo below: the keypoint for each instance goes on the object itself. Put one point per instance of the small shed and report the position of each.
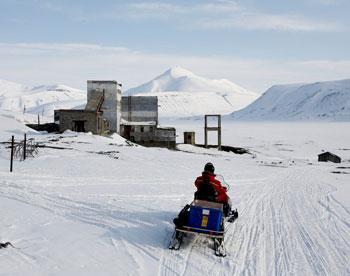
(327, 156)
(189, 137)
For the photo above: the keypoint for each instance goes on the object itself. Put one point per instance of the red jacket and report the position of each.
(216, 184)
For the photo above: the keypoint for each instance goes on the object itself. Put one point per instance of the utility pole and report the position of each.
(25, 146)
(12, 145)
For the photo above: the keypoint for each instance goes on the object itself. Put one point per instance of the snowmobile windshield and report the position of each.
(223, 182)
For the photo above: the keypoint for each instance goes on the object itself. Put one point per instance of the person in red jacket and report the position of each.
(210, 189)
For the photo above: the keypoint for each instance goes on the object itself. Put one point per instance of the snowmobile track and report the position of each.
(289, 223)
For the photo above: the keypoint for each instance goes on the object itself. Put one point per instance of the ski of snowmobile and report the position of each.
(176, 240)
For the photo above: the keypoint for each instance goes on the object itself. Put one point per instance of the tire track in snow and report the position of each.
(100, 215)
(318, 241)
(289, 223)
(283, 229)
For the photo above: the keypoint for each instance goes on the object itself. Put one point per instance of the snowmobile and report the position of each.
(203, 216)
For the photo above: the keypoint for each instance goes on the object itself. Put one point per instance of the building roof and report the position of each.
(104, 81)
(79, 111)
(145, 123)
(328, 153)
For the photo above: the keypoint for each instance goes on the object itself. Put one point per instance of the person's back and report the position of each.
(205, 189)
(210, 189)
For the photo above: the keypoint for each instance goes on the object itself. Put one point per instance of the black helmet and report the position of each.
(209, 167)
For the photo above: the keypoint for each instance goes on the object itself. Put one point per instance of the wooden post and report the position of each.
(12, 145)
(205, 131)
(25, 147)
(38, 120)
(219, 132)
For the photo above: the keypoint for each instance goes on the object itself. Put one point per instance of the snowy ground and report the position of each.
(103, 207)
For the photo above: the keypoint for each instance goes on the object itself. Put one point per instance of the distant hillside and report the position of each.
(328, 100)
(40, 99)
(181, 93)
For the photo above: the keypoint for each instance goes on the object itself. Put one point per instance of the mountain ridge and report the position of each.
(326, 100)
(182, 93)
(177, 79)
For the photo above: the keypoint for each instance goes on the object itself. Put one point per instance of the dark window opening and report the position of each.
(79, 126)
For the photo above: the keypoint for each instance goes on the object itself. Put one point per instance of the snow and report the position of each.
(181, 93)
(103, 206)
(328, 101)
(179, 79)
(42, 100)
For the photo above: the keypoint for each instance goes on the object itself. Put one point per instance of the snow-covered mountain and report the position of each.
(181, 93)
(328, 100)
(42, 99)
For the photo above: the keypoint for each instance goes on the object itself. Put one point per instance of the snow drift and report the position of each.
(328, 100)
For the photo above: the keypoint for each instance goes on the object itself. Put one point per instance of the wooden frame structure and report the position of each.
(206, 129)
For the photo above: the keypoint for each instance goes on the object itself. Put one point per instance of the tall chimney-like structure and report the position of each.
(111, 106)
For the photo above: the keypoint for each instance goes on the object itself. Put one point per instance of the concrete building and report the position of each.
(111, 106)
(133, 117)
(140, 123)
(140, 109)
(88, 120)
(82, 121)
(150, 135)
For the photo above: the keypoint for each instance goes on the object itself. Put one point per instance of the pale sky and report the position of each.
(254, 43)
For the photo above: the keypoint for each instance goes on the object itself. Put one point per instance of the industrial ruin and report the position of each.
(107, 111)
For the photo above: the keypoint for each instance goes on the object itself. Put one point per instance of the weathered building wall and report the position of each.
(92, 121)
(140, 123)
(111, 106)
(140, 109)
(150, 135)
